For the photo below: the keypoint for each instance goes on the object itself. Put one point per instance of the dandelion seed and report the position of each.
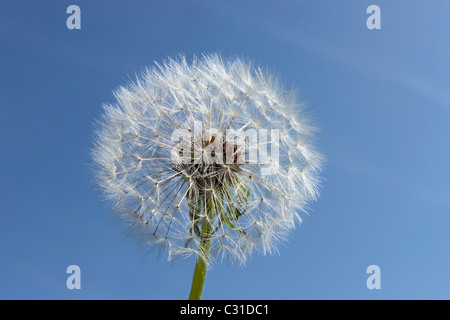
(179, 153)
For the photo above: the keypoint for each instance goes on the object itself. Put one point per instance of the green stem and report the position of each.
(202, 259)
(199, 279)
(201, 264)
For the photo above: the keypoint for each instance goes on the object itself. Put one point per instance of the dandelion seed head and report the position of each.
(181, 147)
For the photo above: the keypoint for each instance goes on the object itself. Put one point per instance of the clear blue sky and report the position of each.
(381, 98)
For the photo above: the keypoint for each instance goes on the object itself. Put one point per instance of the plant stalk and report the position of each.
(201, 264)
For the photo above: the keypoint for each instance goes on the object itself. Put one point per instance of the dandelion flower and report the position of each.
(212, 158)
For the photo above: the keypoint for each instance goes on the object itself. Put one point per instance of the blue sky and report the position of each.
(380, 96)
